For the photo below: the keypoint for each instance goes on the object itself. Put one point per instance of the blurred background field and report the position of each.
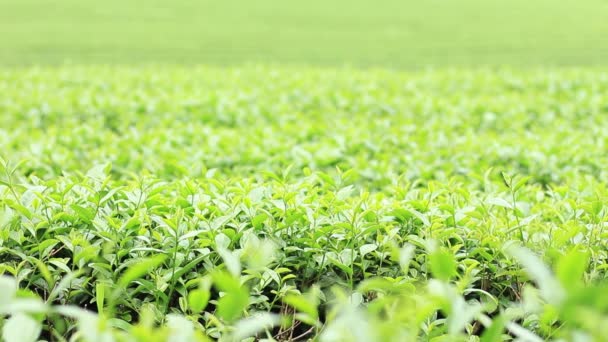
(384, 33)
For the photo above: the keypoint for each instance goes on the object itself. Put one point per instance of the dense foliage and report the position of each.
(146, 204)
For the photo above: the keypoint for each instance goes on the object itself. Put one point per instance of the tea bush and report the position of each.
(290, 204)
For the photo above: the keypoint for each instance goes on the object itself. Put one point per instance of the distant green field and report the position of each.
(387, 33)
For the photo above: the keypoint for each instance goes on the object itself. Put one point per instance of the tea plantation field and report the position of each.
(383, 33)
(294, 204)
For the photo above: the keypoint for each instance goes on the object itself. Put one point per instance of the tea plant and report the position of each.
(277, 204)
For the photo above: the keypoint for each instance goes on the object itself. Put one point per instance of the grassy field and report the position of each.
(291, 204)
(385, 33)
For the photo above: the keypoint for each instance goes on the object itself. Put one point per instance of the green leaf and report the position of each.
(497, 201)
(85, 214)
(198, 299)
(46, 274)
(188, 267)
(302, 304)
(232, 304)
(100, 290)
(520, 183)
(570, 269)
(225, 282)
(30, 305)
(235, 299)
(20, 208)
(45, 246)
(405, 255)
(506, 179)
(253, 325)
(140, 268)
(8, 289)
(338, 263)
(375, 284)
(21, 328)
(181, 329)
(231, 260)
(258, 220)
(367, 248)
(222, 241)
(442, 264)
(494, 332)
